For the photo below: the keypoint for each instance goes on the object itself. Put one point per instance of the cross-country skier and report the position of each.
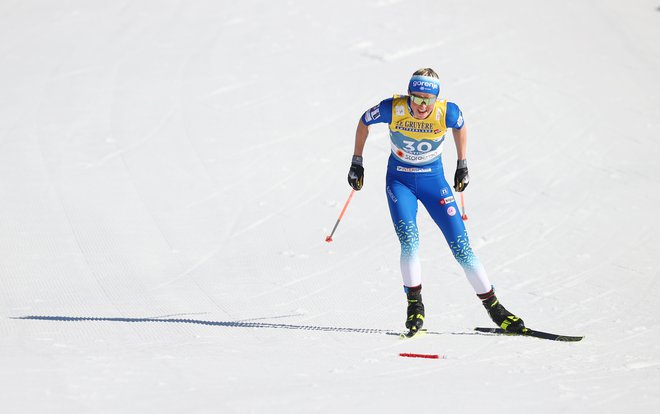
(417, 123)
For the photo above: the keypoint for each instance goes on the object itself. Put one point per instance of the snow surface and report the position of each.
(169, 171)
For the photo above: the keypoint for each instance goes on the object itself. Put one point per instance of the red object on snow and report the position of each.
(428, 356)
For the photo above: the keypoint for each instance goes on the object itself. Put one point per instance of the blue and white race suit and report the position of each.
(415, 172)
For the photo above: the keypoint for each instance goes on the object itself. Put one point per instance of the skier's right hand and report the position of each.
(356, 173)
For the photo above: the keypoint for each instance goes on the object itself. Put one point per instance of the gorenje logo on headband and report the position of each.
(424, 84)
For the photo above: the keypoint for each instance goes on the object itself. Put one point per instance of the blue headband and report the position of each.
(424, 84)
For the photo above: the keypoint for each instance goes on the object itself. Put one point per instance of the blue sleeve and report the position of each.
(381, 113)
(454, 116)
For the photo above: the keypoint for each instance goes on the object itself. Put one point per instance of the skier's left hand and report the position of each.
(461, 177)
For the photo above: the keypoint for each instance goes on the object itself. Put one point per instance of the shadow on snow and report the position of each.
(228, 324)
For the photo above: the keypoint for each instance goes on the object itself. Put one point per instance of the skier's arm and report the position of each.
(378, 114)
(381, 113)
(455, 121)
(361, 134)
(460, 138)
(356, 173)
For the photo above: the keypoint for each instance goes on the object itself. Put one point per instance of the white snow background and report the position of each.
(169, 171)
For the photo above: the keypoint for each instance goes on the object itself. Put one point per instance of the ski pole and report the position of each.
(463, 216)
(329, 238)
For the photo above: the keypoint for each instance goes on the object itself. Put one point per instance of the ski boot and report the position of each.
(415, 318)
(498, 313)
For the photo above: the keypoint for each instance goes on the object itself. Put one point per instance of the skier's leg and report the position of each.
(403, 210)
(438, 199)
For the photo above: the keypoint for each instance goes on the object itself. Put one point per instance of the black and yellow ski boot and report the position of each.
(498, 313)
(415, 319)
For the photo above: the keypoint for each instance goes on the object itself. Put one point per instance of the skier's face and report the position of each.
(422, 104)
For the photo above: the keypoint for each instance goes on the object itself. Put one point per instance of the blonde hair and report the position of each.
(426, 72)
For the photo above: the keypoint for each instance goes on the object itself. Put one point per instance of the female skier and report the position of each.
(417, 124)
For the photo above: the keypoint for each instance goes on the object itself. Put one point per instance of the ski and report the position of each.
(533, 333)
(412, 334)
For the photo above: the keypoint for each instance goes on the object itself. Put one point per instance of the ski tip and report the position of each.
(563, 338)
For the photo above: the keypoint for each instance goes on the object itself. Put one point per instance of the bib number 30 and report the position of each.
(420, 148)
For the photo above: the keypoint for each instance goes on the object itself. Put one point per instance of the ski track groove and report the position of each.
(57, 190)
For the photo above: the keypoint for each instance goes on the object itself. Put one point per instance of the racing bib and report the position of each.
(417, 141)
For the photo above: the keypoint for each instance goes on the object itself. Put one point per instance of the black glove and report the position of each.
(356, 173)
(461, 177)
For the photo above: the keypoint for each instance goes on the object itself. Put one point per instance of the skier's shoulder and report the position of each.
(381, 113)
(453, 116)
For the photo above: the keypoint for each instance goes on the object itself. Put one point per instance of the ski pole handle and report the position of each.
(329, 238)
